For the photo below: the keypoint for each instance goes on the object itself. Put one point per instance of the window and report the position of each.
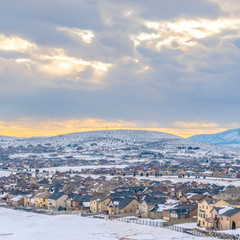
(173, 215)
(207, 207)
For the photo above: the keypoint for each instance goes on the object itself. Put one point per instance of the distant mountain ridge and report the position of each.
(229, 138)
(117, 140)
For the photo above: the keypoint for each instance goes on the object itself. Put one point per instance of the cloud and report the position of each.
(28, 127)
(52, 63)
(156, 61)
(84, 35)
(15, 43)
(195, 125)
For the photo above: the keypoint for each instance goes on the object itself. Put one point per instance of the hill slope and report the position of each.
(115, 143)
(229, 138)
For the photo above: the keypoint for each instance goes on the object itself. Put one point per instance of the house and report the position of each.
(157, 211)
(204, 212)
(148, 204)
(57, 201)
(113, 205)
(213, 214)
(224, 218)
(230, 193)
(196, 198)
(122, 206)
(17, 201)
(99, 203)
(229, 219)
(78, 202)
(181, 211)
(127, 205)
(41, 200)
(193, 198)
(29, 200)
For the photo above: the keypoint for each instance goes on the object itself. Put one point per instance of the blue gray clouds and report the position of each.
(157, 63)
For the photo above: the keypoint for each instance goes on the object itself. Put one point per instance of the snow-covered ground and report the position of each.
(79, 168)
(4, 173)
(19, 225)
(175, 179)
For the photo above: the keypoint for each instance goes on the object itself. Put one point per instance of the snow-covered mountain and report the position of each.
(133, 136)
(116, 143)
(229, 138)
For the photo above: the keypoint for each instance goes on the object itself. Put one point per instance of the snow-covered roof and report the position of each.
(17, 198)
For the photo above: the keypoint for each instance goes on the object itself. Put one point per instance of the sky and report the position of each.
(77, 65)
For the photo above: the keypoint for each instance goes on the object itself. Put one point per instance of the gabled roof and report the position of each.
(56, 195)
(154, 200)
(231, 190)
(80, 198)
(122, 194)
(124, 202)
(217, 209)
(232, 202)
(43, 195)
(184, 208)
(17, 198)
(197, 197)
(44, 181)
(231, 212)
(209, 200)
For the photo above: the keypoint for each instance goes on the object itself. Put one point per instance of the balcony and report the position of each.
(211, 220)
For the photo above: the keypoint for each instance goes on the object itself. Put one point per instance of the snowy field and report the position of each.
(78, 168)
(4, 173)
(19, 225)
(175, 179)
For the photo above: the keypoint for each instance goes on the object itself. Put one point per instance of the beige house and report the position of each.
(29, 200)
(41, 200)
(57, 201)
(17, 201)
(147, 205)
(127, 205)
(223, 214)
(230, 219)
(122, 206)
(99, 204)
(231, 193)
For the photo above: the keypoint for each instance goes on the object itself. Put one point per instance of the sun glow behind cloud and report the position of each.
(28, 128)
(150, 61)
(182, 32)
(52, 62)
(85, 36)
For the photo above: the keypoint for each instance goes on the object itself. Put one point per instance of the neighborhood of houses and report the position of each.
(210, 206)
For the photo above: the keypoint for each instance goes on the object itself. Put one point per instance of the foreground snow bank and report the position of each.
(19, 225)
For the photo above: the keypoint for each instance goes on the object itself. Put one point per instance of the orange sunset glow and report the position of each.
(27, 128)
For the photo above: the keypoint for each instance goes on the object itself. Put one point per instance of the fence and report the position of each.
(194, 232)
